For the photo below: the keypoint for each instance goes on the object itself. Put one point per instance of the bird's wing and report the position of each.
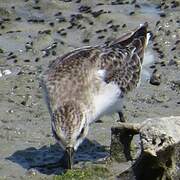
(122, 59)
(67, 77)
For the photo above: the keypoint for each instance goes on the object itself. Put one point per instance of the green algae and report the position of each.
(94, 172)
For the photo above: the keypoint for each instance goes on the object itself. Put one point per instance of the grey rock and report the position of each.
(160, 148)
(155, 78)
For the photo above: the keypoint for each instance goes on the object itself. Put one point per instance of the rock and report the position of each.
(175, 85)
(155, 78)
(31, 172)
(172, 62)
(1, 50)
(160, 145)
(160, 148)
(162, 14)
(121, 138)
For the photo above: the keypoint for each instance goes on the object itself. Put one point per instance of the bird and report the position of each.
(90, 82)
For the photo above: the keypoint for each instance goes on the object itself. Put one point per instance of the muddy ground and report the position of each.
(35, 32)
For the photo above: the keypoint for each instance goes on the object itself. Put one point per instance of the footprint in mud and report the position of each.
(47, 159)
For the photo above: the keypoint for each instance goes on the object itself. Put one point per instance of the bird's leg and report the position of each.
(121, 117)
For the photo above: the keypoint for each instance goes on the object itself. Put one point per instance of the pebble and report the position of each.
(36, 20)
(97, 13)
(162, 14)
(98, 31)
(31, 172)
(110, 22)
(157, 23)
(1, 50)
(6, 19)
(62, 19)
(114, 27)
(174, 48)
(54, 53)
(91, 23)
(27, 60)
(172, 62)
(45, 53)
(7, 72)
(63, 34)
(131, 13)
(152, 66)
(117, 3)
(175, 85)
(99, 121)
(37, 7)
(177, 42)
(51, 24)
(28, 45)
(155, 78)
(133, 1)
(85, 9)
(124, 25)
(18, 19)
(101, 37)
(58, 14)
(162, 63)
(85, 40)
(48, 31)
(15, 61)
(176, 82)
(99, 4)
(137, 6)
(11, 57)
(175, 4)
(2, 27)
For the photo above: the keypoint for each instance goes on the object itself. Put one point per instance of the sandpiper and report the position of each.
(89, 82)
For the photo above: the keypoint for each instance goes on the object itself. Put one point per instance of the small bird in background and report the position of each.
(89, 82)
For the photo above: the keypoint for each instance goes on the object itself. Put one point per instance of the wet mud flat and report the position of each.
(34, 32)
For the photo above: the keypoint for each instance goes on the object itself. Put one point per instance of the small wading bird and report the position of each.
(89, 82)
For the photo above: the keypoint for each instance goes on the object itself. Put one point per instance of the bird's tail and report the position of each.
(136, 39)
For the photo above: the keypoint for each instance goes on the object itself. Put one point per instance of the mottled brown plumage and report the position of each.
(77, 83)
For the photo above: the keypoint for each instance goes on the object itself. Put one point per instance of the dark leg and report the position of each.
(121, 117)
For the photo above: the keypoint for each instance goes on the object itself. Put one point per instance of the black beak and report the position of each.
(69, 152)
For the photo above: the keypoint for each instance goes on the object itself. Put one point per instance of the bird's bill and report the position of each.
(69, 157)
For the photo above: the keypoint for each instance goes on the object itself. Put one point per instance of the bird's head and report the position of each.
(70, 128)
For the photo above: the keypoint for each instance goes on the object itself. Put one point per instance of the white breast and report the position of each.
(107, 101)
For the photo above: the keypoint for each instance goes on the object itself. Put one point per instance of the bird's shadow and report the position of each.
(47, 159)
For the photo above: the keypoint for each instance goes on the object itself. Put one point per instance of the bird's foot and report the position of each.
(121, 117)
